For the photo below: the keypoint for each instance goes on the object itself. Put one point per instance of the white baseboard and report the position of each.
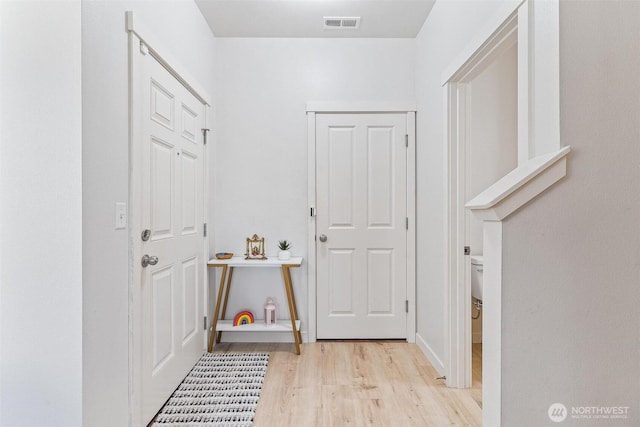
(261, 337)
(476, 337)
(431, 356)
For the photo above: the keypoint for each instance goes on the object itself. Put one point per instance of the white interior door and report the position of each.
(171, 184)
(361, 180)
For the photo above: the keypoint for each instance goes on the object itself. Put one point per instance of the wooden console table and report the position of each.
(228, 265)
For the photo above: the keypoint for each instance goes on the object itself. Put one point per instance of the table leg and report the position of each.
(216, 313)
(226, 299)
(297, 337)
(293, 300)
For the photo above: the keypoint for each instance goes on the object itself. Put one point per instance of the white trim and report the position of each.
(481, 39)
(211, 279)
(361, 107)
(147, 36)
(430, 355)
(135, 324)
(501, 40)
(411, 230)
(458, 294)
(524, 148)
(135, 316)
(448, 221)
(208, 195)
(544, 77)
(520, 186)
(311, 224)
(538, 79)
(311, 204)
(492, 325)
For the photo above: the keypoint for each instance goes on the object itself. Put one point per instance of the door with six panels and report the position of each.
(172, 290)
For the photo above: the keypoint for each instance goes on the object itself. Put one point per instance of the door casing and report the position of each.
(314, 108)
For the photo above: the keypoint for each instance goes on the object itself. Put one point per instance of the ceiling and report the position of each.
(305, 18)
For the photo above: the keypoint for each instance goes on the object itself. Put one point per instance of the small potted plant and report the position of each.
(284, 247)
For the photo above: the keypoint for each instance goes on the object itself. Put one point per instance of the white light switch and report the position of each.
(121, 215)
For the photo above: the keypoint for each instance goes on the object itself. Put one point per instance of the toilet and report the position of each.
(477, 265)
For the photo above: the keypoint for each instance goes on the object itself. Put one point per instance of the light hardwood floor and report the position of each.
(359, 383)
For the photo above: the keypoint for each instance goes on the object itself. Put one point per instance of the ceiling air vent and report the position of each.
(341, 22)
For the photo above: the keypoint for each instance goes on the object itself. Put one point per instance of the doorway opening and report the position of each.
(532, 27)
(482, 144)
(491, 153)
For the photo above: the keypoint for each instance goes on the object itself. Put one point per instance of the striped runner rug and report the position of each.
(222, 390)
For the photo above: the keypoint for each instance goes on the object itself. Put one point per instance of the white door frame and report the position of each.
(142, 38)
(458, 358)
(409, 109)
(537, 35)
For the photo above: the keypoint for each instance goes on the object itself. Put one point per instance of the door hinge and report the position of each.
(205, 133)
(406, 306)
(313, 211)
(406, 140)
(205, 323)
(204, 229)
(406, 224)
(467, 250)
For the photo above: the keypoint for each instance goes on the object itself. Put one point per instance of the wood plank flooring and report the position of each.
(359, 383)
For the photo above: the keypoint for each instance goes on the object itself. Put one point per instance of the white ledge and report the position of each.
(520, 186)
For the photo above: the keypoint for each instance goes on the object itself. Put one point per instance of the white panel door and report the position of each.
(172, 194)
(361, 167)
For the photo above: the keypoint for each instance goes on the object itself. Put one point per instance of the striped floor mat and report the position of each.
(222, 390)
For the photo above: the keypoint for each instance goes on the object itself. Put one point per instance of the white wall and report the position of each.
(492, 131)
(448, 29)
(571, 279)
(183, 33)
(40, 214)
(263, 86)
(571, 271)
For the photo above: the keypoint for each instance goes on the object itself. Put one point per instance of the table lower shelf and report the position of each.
(259, 326)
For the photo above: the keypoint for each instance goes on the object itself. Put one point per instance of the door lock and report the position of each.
(149, 260)
(145, 235)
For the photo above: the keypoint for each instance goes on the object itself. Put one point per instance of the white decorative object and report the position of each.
(270, 312)
(284, 247)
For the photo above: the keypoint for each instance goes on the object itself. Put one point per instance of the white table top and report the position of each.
(239, 261)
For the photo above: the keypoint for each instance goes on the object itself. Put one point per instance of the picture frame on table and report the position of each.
(255, 248)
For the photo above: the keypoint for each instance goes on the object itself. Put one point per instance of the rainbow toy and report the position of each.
(243, 318)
